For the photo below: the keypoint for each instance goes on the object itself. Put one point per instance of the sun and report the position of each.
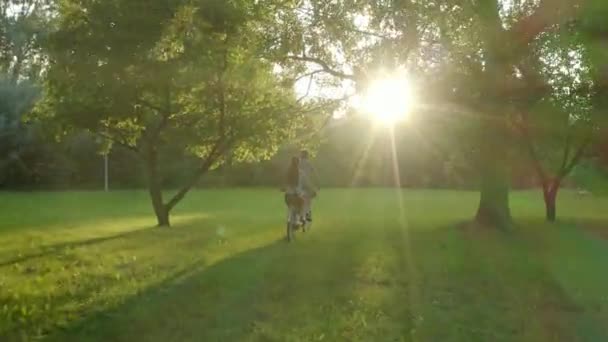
(388, 100)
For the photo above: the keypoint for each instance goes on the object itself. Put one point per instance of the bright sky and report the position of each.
(316, 89)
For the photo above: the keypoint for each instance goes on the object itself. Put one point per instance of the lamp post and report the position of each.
(106, 183)
(106, 173)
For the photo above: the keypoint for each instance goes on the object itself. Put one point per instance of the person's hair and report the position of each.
(304, 154)
(293, 173)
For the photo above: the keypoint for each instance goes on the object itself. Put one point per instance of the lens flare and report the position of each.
(388, 100)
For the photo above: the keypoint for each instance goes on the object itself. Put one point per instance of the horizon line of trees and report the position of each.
(77, 163)
(187, 90)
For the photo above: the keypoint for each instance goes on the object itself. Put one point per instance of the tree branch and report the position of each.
(116, 141)
(529, 144)
(307, 89)
(218, 148)
(215, 153)
(577, 157)
(566, 153)
(308, 74)
(164, 113)
(325, 67)
(150, 105)
(548, 13)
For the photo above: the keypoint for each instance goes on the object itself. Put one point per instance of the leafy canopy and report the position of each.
(186, 74)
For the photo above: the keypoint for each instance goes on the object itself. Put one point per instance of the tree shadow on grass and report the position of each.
(348, 285)
(355, 283)
(446, 287)
(265, 293)
(170, 310)
(495, 288)
(128, 232)
(76, 278)
(60, 247)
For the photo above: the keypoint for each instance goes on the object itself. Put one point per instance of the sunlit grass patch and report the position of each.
(365, 272)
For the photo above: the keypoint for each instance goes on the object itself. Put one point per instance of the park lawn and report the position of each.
(379, 265)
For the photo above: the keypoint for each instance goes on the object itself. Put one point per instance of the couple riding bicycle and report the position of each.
(300, 190)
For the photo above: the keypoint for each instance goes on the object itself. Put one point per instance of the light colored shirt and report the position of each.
(307, 177)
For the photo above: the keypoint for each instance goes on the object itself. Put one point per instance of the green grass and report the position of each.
(377, 266)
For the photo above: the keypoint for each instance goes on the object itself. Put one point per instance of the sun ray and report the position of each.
(358, 170)
(413, 279)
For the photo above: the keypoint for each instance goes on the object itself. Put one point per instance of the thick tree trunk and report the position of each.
(550, 207)
(494, 197)
(494, 167)
(155, 190)
(550, 190)
(160, 210)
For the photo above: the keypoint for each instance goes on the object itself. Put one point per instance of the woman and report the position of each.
(293, 196)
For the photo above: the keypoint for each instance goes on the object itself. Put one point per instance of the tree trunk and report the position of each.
(161, 210)
(494, 166)
(494, 197)
(155, 189)
(550, 190)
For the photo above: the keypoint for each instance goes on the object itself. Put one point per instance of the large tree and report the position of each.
(471, 52)
(153, 75)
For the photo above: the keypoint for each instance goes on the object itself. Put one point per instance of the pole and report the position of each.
(106, 183)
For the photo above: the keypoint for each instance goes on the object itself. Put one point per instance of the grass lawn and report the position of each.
(379, 265)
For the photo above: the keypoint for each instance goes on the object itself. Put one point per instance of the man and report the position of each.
(309, 185)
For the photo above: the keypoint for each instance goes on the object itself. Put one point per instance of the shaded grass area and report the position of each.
(379, 265)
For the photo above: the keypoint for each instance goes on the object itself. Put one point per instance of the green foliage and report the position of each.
(471, 55)
(19, 143)
(348, 152)
(591, 178)
(24, 156)
(562, 120)
(23, 25)
(187, 76)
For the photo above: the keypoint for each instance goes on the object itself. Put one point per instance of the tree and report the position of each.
(594, 31)
(23, 24)
(471, 52)
(185, 77)
(15, 137)
(505, 40)
(559, 127)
